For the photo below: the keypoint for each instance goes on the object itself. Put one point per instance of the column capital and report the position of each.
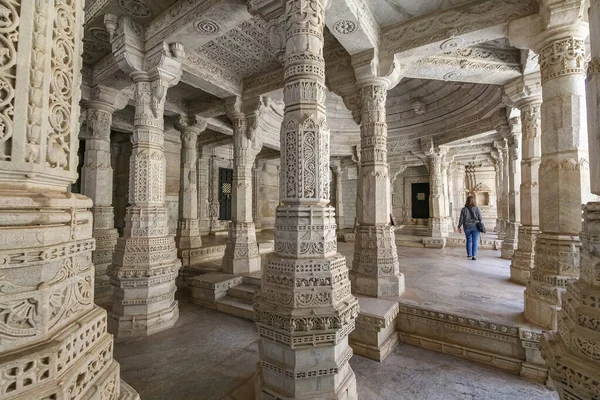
(370, 69)
(523, 91)
(190, 126)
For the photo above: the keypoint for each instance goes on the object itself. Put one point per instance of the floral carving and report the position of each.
(9, 36)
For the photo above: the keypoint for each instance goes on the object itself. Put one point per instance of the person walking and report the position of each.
(470, 219)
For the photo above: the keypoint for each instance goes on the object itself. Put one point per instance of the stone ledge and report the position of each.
(208, 288)
(513, 347)
(374, 336)
(127, 392)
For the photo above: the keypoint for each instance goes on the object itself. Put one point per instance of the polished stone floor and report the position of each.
(212, 356)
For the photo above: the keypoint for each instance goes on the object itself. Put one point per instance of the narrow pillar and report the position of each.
(439, 228)
(564, 169)
(499, 169)
(304, 325)
(510, 243)
(376, 270)
(339, 203)
(145, 262)
(97, 184)
(188, 229)
(525, 93)
(572, 352)
(204, 190)
(53, 338)
(241, 254)
(256, 178)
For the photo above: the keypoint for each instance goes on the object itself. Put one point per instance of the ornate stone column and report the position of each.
(438, 218)
(563, 173)
(304, 323)
(145, 262)
(256, 177)
(204, 189)
(510, 243)
(241, 254)
(188, 232)
(526, 95)
(375, 271)
(499, 169)
(572, 353)
(97, 183)
(53, 338)
(503, 166)
(339, 203)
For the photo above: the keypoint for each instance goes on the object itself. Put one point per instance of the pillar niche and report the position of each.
(188, 228)
(53, 338)
(439, 226)
(376, 270)
(97, 183)
(145, 263)
(241, 253)
(304, 325)
(572, 352)
(510, 242)
(525, 94)
(564, 168)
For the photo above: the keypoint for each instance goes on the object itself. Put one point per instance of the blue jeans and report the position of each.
(472, 235)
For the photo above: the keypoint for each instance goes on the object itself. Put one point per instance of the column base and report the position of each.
(241, 254)
(556, 264)
(143, 275)
(376, 270)
(511, 241)
(435, 242)
(74, 363)
(375, 335)
(106, 239)
(439, 227)
(523, 260)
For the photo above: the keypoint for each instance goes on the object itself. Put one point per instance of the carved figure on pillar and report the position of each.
(97, 176)
(54, 342)
(145, 262)
(304, 326)
(241, 252)
(572, 352)
(526, 94)
(188, 233)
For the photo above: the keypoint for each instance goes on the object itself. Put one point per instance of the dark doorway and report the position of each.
(225, 191)
(420, 200)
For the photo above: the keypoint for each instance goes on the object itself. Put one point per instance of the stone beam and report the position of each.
(208, 108)
(453, 28)
(465, 131)
(353, 24)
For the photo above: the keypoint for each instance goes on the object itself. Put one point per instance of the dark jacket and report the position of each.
(466, 220)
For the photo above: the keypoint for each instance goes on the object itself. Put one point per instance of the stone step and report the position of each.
(244, 291)
(253, 278)
(237, 307)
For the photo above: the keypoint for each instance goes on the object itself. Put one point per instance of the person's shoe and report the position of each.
(473, 258)
(469, 256)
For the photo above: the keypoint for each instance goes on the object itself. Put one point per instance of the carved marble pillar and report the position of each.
(510, 243)
(376, 270)
(53, 338)
(241, 254)
(438, 219)
(525, 94)
(204, 190)
(97, 183)
(446, 190)
(304, 325)
(256, 178)
(145, 263)
(573, 352)
(563, 173)
(188, 227)
(499, 169)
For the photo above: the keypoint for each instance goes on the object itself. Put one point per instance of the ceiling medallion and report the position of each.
(135, 8)
(452, 44)
(206, 27)
(100, 34)
(344, 27)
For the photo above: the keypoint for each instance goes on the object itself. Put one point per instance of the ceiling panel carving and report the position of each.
(393, 11)
(245, 51)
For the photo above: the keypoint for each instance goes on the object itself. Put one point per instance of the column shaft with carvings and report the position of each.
(499, 169)
(54, 342)
(525, 93)
(305, 310)
(573, 352)
(439, 226)
(188, 233)
(339, 203)
(204, 190)
(145, 264)
(376, 270)
(241, 253)
(563, 173)
(510, 243)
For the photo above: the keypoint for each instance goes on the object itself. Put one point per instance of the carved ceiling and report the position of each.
(390, 12)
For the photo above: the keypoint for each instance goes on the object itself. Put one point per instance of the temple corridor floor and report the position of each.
(212, 356)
